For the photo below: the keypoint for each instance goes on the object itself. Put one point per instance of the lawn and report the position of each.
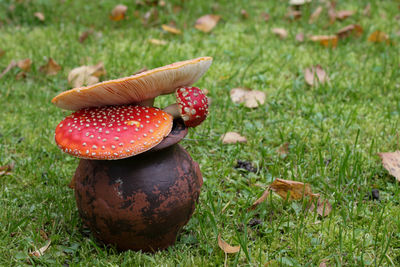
(334, 131)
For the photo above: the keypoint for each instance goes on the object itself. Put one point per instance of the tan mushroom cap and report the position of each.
(135, 88)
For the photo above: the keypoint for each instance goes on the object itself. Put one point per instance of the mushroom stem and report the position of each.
(173, 110)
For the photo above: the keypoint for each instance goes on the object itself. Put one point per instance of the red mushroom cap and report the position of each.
(193, 105)
(112, 132)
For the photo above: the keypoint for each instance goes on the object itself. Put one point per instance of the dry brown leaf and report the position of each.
(265, 16)
(353, 29)
(315, 75)
(300, 37)
(24, 64)
(261, 199)
(344, 14)
(84, 35)
(2, 52)
(43, 234)
(324, 263)
(157, 42)
(86, 75)
(324, 208)
(39, 16)
(171, 29)
(226, 247)
(6, 169)
(244, 14)
(118, 13)
(315, 15)
(293, 14)
(282, 33)
(378, 37)
(296, 190)
(250, 98)
(283, 149)
(39, 252)
(391, 162)
(332, 12)
(10, 66)
(233, 138)
(207, 22)
(367, 10)
(51, 68)
(150, 16)
(325, 40)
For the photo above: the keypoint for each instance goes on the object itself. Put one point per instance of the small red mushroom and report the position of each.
(112, 132)
(191, 106)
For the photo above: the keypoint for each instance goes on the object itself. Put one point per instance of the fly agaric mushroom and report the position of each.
(192, 106)
(112, 132)
(143, 199)
(138, 89)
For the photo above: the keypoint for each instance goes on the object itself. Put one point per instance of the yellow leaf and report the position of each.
(296, 190)
(118, 13)
(226, 247)
(207, 22)
(171, 29)
(157, 42)
(378, 37)
(325, 40)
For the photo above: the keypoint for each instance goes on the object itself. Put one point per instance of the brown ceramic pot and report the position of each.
(142, 202)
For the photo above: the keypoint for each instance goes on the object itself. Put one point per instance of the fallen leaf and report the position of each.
(293, 14)
(226, 247)
(244, 14)
(233, 138)
(261, 199)
(265, 16)
(300, 37)
(324, 263)
(282, 33)
(315, 15)
(391, 162)
(315, 75)
(150, 16)
(24, 64)
(250, 98)
(378, 37)
(6, 169)
(298, 2)
(20, 75)
(207, 22)
(51, 68)
(84, 35)
(171, 29)
(296, 190)
(324, 208)
(39, 16)
(325, 40)
(39, 252)
(344, 14)
(367, 10)
(332, 12)
(86, 75)
(176, 9)
(43, 234)
(283, 149)
(354, 29)
(2, 52)
(118, 13)
(10, 66)
(157, 42)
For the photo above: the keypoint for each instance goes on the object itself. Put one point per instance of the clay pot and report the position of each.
(142, 202)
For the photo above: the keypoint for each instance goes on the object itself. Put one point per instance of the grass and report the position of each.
(345, 122)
